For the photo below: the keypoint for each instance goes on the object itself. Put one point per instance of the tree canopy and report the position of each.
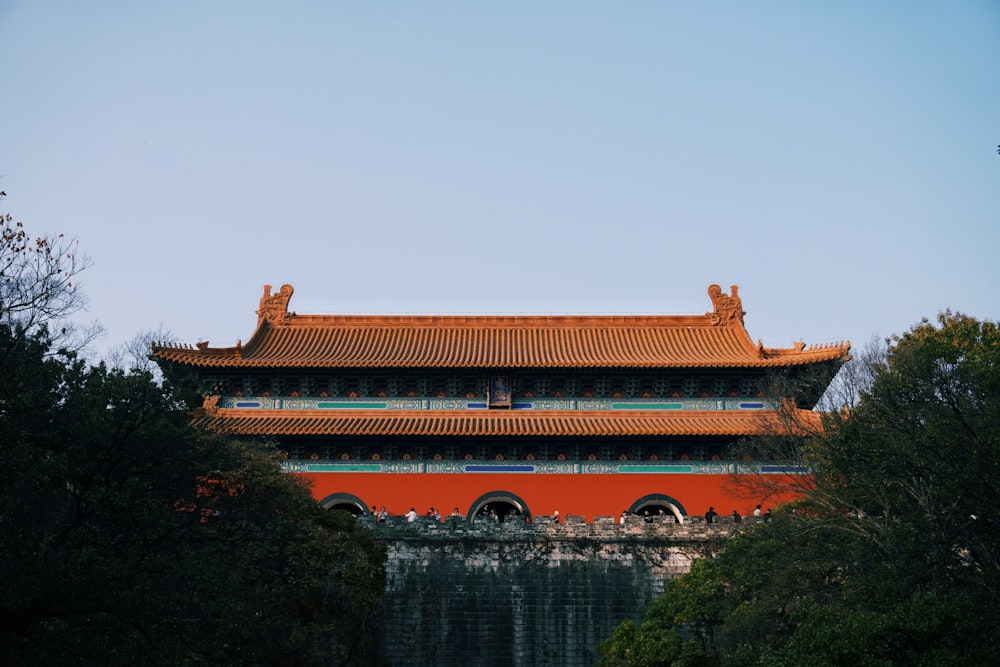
(129, 538)
(891, 558)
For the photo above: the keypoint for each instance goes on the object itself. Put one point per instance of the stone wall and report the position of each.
(517, 594)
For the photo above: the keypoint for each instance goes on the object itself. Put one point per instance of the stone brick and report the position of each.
(470, 594)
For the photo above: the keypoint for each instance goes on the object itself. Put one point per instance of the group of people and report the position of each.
(711, 514)
(647, 517)
(381, 516)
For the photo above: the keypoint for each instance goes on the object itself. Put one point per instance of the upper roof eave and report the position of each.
(285, 339)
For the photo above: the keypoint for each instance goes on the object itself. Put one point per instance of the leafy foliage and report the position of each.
(892, 556)
(128, 538)
(131, 539)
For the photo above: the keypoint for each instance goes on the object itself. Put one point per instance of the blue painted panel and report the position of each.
(499, 468)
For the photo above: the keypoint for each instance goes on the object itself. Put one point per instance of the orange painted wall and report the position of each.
(589, 495)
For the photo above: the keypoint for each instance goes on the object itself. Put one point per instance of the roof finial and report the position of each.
(728, 307)
(274, 307)
(211, 404)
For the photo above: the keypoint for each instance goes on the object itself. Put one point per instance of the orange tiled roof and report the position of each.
(286, 339)
(495, 423)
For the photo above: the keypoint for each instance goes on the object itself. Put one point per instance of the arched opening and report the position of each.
(345, 502)
(658, 505)
(499, 506)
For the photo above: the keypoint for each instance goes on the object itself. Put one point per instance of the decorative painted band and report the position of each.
(540, 404)
(546, 468)
(349, 405)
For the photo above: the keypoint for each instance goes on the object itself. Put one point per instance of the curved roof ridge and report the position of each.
(496, 320)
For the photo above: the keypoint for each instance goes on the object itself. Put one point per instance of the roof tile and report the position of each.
(287, 339)
(495, 423)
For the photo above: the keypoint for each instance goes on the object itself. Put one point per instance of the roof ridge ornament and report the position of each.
(274, 307)
(728, 307)
(210, 404)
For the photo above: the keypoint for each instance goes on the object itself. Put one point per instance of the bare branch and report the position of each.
(39, 286)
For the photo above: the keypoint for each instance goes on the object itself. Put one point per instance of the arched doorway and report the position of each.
(658, 504)
(345, 502)
(499, 506)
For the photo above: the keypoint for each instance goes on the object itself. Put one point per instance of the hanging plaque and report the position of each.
(499, 391)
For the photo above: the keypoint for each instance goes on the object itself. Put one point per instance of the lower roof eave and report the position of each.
(505, 423)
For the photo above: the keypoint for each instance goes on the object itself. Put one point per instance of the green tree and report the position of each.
(129, 538)
(918, 456)
(679, 626)
(891, 558)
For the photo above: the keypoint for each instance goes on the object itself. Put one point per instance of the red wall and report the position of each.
(589, 495)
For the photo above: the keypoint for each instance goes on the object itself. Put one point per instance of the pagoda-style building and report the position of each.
(507, 414)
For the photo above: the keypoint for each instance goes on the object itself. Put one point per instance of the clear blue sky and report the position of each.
(836, 160)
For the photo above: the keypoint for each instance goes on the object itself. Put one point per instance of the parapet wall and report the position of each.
(460, 593)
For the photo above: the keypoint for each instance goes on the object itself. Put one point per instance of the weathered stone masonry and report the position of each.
(516, 594)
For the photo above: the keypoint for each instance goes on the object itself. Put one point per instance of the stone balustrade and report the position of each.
(568, 527)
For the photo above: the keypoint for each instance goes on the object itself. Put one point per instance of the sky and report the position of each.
(838, 161)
